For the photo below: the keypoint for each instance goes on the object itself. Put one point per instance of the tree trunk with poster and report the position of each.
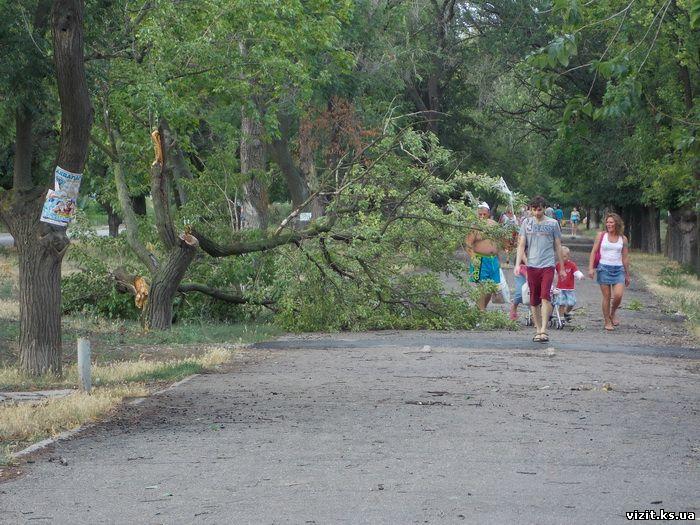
(41, 245)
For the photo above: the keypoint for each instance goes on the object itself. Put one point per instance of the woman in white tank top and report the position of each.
(613, 267)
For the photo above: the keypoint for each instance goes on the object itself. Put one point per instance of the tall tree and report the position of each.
(41, 246)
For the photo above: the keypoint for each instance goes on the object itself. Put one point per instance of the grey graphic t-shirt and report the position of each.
(539, 241)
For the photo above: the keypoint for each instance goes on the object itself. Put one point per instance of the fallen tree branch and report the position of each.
(222, 295)
(260, 245)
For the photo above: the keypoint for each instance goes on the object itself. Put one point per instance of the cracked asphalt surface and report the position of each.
(398, 428)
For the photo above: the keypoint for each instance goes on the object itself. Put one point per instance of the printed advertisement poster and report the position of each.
(61, 202)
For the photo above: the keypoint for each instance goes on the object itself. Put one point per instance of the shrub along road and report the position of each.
(399, 427)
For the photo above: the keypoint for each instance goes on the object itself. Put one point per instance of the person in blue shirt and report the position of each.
(558, 214)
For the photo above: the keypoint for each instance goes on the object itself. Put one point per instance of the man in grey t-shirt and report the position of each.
(540, 239)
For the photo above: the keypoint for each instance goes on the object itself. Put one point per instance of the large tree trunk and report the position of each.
(41, 246)
(181, 249)
(40, 251)
(683, 237)
(40, 334)
(650, 230)
(166, 280)
(69, 62)
(253, 162)
(113, 223)
(113, 220)
(176, 163)
(298, 188)
(631, 216)
(138, 204)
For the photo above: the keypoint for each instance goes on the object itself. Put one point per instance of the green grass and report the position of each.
(635, 304)
(125, 341)
(168, 372)
(676, 286)
(164, 368)
(129, 333)
(6, 290)
(674, 276)
(120, 340)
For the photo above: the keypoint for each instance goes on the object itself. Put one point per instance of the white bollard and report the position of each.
(84, 365)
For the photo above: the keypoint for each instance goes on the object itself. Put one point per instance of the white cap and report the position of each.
(483, 205)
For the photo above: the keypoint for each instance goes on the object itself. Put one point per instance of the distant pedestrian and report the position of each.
(483, 255)
(524, 213)
(549, 212)
(575, 218)
(540, 242)
(510, 221)
(558, 214)
(610, 260)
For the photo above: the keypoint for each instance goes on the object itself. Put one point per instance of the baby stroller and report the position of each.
(555, 320)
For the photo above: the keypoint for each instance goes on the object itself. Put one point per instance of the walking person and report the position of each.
(510, 221)
(540, 243)
(483, 255)
(519, 280)
(567, 286)
(524, 213)
(575, 218)
(558, 214)
(610, 260)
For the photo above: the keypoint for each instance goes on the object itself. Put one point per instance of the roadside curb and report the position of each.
(71, 433)
(182, 381)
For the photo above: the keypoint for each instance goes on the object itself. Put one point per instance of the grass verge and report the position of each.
(22, 424)
(677, 288)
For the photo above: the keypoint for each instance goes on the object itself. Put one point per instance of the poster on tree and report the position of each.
(61, 202)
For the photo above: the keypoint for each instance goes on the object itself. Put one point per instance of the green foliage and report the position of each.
(244, 275)
(673, 276)
(626, 66)
(383, 265)
(635, 304)
(695, 14)
(88, 292)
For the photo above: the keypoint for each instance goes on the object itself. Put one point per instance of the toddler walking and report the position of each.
(567, 294)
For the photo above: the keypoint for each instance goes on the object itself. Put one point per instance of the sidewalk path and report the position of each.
(399, 428)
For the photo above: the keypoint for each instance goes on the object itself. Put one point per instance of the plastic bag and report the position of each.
(525, 290)
(503, 294)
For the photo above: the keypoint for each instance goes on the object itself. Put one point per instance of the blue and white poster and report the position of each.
(61, 202)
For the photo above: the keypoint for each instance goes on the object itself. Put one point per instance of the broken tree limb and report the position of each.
(160, 192)
(228, 297)
(136, 285)
(176, 162)
(259, 245)
(158, 311)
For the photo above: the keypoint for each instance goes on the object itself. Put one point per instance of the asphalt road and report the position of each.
(398, 428)
(7, 240)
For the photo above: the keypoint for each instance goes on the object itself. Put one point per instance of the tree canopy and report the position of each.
(329, 152)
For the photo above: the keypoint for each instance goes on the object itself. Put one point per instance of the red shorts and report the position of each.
(540, 282)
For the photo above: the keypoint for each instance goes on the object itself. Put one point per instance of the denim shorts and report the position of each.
(520, 280)
(610, 274)
(565, 298)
